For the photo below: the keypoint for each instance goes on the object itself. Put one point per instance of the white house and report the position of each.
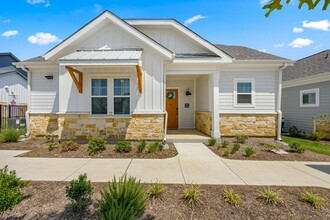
(13, 81)
(134, 79)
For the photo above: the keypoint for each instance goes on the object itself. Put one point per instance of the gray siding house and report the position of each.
(306, 91)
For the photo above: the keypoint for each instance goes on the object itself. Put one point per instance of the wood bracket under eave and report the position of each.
(78, 82)
(139, 76)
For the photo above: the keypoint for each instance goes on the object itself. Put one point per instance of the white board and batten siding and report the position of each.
(44, 92)
(16, 85)
(203, 102)
(265, 92)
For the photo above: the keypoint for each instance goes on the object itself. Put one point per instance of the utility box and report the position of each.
(16, 123)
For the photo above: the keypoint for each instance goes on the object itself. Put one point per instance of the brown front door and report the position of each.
(172, 108)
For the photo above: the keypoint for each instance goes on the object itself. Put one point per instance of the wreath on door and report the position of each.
(170, 95)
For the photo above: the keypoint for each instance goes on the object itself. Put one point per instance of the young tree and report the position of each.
(277, 4)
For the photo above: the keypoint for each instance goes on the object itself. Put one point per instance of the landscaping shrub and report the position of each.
(231, 197)
(294, 132)
(212, 141)
(313, 199)
(270, 196)
(226, 153)
(10, 135)
(96, 145)
(241, 139)
(79, 192)
(296, 147)
(314, 136)
(125, 199)
(141, 146)
(51, 146)
(152, 148)
(249, 151)
(192, 195)
(69, 146)
(50, 137)
(10, 189)
(123, 147)
(156, 190)
(235, 148)
(225, 143)
(270, 146)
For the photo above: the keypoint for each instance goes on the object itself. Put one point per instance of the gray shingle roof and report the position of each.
(245, 53)
(308, 66)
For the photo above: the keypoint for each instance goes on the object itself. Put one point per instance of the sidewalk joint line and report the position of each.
(77, 169)
(128, 167)
(184, 179)
(234, 172)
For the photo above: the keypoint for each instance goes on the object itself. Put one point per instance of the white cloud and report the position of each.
(263, 50)
(300, 42)
(278, 45)
(6, 21)
(43, 38)
(36, 2)
(193, 19)
(97, 8)
(9, 33)
(298, 30)
(323, 25)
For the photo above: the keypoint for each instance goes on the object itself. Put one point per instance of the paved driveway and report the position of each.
(195, 163)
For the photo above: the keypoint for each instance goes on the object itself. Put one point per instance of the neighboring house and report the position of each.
(306, 91)
(117, 78)
(13, 81)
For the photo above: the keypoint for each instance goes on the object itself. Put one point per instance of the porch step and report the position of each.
(186, 141)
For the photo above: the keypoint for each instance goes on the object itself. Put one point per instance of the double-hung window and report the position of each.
(99, 96)
(310, 98)
(244, 92)
(121, 97)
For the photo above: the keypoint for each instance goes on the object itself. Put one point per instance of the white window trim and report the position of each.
(91, 96)
(317, 97)
(244, 80)
(125, 96)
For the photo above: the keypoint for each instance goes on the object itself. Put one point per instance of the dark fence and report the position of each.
(12, 114)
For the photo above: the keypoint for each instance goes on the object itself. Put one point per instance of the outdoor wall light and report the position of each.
(188, 92)
(49, 77)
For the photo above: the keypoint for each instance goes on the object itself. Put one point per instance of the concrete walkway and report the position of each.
(195, 163)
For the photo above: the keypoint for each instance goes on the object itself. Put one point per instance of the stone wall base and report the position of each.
(203, 122)
(84, 127)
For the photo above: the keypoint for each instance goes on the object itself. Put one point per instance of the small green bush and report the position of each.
(192, 195)
(50, 137)
(51, 146)
(225, 143)
(152, 148)
(212, 141)
(313, 199)
(123, 147)
(156, 190)
(141, 146)
(231, 197)
(235, 148)
(10, 189)
(296, 147)
(10, 135)
(79, 192)
(96, 145)
(249, 151)
(69, 146)
(294, 132)
(123, 199)
(241, 139)
(226, 153)
(270, 147)
(314, 136)
(270, 196)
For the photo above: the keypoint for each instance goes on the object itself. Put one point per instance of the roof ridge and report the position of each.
(313, 54)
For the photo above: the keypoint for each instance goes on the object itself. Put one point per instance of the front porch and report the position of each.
(186, 135)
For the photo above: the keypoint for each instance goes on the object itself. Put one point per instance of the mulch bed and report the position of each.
(262, 148)
(47, 200)
(38, 147)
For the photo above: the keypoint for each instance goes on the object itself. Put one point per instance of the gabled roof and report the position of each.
(12, 69)
(124, 25)
(9, 54)
(315, 64)
(245, 53)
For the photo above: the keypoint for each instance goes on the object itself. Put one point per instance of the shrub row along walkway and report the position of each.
(195, 163)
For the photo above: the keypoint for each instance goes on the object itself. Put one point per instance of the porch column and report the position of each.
(215, 83)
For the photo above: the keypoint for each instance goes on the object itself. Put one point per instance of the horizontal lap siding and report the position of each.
(202, 94)
(16, 84)
(301, 117)
(44, 93)
(265, 92)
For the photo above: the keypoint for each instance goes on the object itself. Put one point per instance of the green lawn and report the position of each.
(309, 145)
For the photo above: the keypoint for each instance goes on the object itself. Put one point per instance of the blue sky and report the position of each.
(29, 28)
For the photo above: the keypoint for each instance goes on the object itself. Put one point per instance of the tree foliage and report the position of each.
(277, 5)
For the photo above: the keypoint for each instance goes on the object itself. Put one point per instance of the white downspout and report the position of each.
(278, 102)
(164, 103)
(27, 114)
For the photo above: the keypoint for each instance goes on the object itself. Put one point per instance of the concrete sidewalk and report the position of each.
(195, 163)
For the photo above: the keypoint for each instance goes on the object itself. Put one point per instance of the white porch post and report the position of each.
(215, 83)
